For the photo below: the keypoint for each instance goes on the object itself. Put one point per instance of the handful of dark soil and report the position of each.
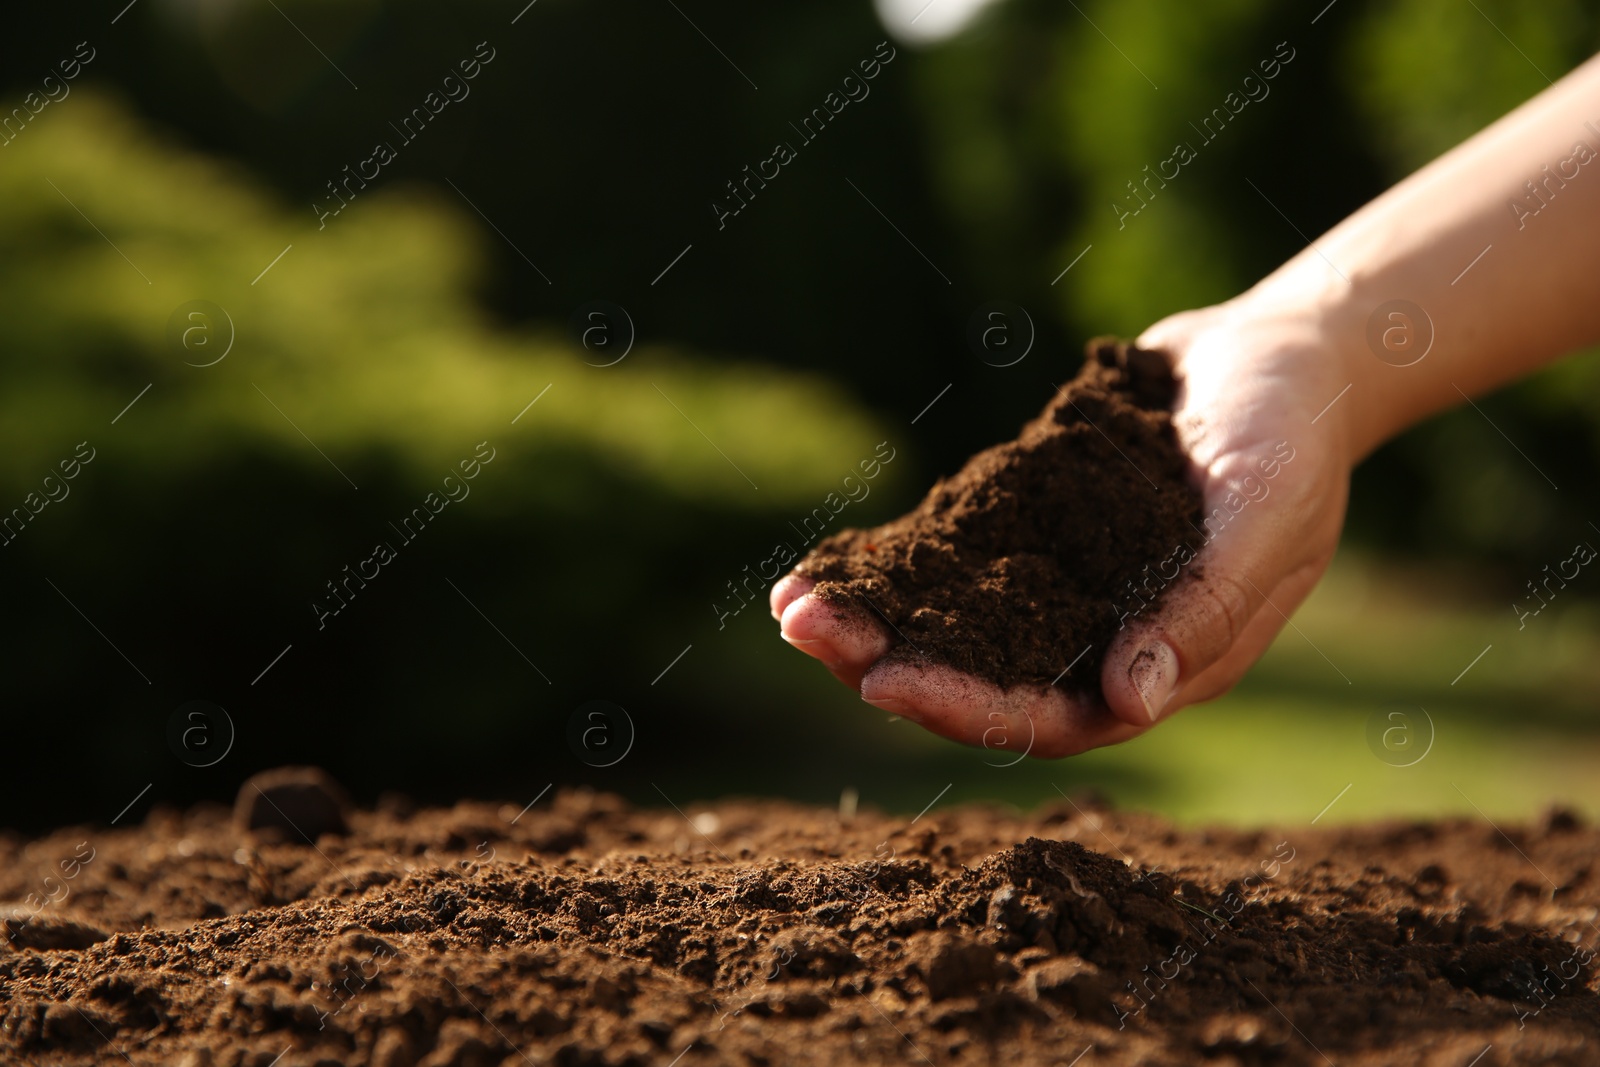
(1038, 548)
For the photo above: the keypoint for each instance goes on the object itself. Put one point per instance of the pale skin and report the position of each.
(1256, 371)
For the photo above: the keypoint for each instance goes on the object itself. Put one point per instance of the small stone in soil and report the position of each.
(291, 804)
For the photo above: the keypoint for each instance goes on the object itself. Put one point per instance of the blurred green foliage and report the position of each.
(776, 352)
(368, 335)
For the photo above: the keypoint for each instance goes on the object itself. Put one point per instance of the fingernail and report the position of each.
(1154, 674)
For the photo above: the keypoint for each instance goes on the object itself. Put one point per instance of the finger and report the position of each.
(1212, 608)
(1037, 721)
(846, 640)
(1258, 635)
(1172, 333)
(786, 591)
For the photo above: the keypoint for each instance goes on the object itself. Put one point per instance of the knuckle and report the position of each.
(1230, 606)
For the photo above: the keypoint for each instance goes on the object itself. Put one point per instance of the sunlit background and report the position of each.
(374, 349)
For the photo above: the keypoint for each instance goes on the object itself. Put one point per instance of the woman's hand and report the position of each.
(1263, 389)
(1272, 460)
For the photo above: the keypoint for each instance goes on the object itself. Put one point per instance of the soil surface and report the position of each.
(583, 931)
(1038, 547)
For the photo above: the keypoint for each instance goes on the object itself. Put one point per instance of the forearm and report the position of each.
(1506, 288)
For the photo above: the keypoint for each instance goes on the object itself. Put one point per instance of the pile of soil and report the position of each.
(1032, 552)
(581, 931)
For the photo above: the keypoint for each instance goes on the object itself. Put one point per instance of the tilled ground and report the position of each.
(586, 932)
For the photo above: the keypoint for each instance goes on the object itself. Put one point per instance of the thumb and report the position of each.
(1216, 611)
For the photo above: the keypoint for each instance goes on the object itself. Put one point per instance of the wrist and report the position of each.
(1358, 337)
